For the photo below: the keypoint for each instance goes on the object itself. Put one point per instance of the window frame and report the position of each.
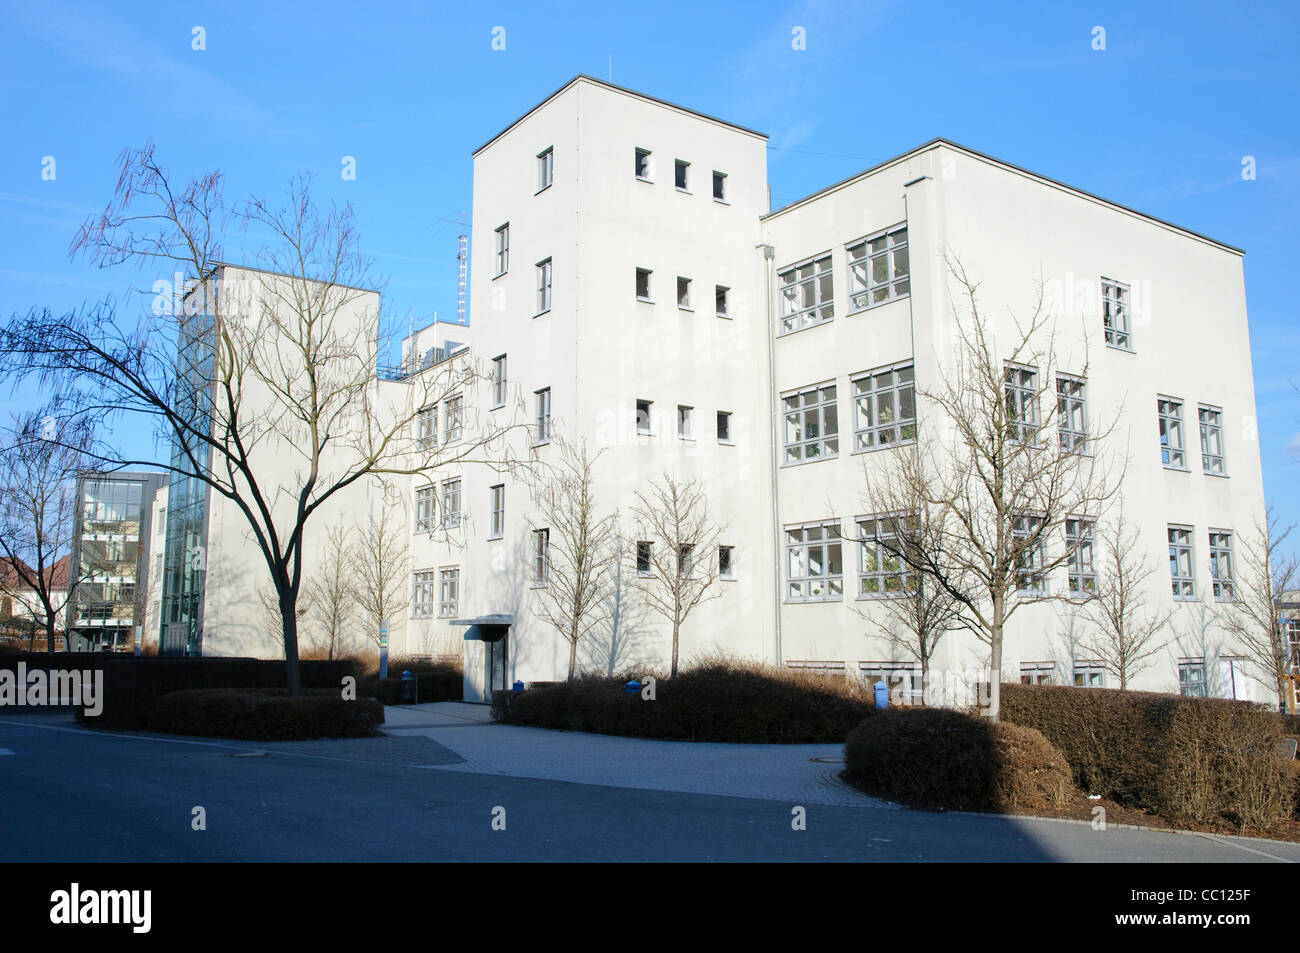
(682, 172)
(823, 438)
(871, 529)
(426, 427)
(449, 499)
(542, 416)
(541, 569)
(1117, 299)
(645, 556)
(497, 511)
(685, 422)
(502, 257)
(1021, 397)
(1023, 527)
(648, 430)
(448, 592)
(545, 169)
(724, 432)
(1088, 669)
(1188, 666)
(453, 414)
(423, 593)
(1222, 587)
(648, 297)
(720, 179)
(1073, 440)
(426, 508)
(832, 583)
(684, 300)
(895, 389)
(1164, 420)
(822, 310)
(545, 279)
(647, 155)
(726, 562)
(1216, 429)
(499, 382)
(867, 260)
(1178, 548)
(1081, 561)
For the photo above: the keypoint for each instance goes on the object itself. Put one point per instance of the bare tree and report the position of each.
(994, 472)
(43, 453)
(681, 549)
(332, 589)
(582, 547)
(1255, 617)
(270, 397)
(1126, 636)
(382, 565)
(912, 612)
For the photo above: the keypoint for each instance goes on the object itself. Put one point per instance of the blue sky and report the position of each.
(1159, 121)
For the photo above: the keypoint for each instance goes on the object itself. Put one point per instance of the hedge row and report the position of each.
(715, 701)
(256, 716)
(1202, 760)
(942, 759)
(132, 684)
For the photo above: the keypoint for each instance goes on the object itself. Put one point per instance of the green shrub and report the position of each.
(1203, 760)
(265, 716)
(942, 759)
(717, 700)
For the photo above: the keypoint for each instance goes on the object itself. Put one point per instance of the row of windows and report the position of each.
(685, 288)
(685, 421)
(884, 414)
(453, 422)
(444, 586)
(644, 170)
(726, 564)
(1173, 453)
(878, 272)
(815, 559)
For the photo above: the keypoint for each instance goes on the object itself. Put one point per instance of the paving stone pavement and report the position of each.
(798, 774)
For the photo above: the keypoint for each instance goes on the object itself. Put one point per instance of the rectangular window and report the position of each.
(814, 563)
(1182, 563)
(807, 295)
(451, 414)
(811, 424)
(684, 293)
(545, 168)
(881, 571)
(450, 504)
(426, 505)
(499, 381)
(448, 592)
(884, 408)
(1115, 314)
(720, 186)
(643, 170)
(726, 565)
(1037, 673)
(1029, 546)
(685, 560)
(680, 172)
(643, 416)
(1221, 566)
(878, 268)
(1021, 389)
(643, 284)
(426, 427)
(902, 679)
(685, 422)
(1088, 674)
(1191, 677)
(542, 433)
(720, 301)
(541, 557)
(724, 426)
(422, 595)
(503, 250)
(1211, 439)
(1081, 567)
(497, 497)
(1072, 413)
(544, 286)
(1171, 433)
(643, 551)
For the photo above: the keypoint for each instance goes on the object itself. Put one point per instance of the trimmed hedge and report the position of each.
(256, 716)
(132, 684)
(942, 759)
(728, 701)
(1203, 760)
(436, 681)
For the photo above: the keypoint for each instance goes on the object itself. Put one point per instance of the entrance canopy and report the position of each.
(486, 628)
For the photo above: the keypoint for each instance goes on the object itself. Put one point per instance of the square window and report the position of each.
(643, 284)
(807, 295)
(884, 408)
(878, 268)
(720, 186)
(680, 171)
(811, 424)
(643, 170)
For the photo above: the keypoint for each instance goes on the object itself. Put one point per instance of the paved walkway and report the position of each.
(800, 774)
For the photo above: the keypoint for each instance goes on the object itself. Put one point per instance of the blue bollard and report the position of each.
(518, 686)
(633, 687)
(409, 691)
(881, 691)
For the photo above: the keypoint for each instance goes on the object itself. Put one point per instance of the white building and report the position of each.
(630, 287)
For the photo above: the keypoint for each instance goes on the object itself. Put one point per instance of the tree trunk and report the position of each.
(677, 626)
(925, 679)
(289, 618)
(995, 662)
(573, 653)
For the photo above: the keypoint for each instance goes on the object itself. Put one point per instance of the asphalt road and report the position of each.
(97, 796)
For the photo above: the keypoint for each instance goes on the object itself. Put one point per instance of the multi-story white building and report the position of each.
(631, 288)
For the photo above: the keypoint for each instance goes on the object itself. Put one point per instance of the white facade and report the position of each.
(577, 199)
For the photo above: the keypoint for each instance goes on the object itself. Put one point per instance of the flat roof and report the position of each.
(281, 274)
(583, 77)
(993, 160)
